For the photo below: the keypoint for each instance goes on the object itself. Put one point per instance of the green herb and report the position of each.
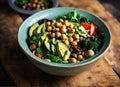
(21, 2)
(90, 43)
(45, 3)
(80, 30)
(54, 58)
(68, 34)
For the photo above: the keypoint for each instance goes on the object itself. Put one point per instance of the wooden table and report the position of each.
(25, 74)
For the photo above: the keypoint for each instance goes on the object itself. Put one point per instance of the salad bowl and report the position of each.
(62, 69)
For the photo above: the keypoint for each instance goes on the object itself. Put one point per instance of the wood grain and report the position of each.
(24, 73)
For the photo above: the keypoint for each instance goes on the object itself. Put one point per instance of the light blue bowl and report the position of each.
(57, 68)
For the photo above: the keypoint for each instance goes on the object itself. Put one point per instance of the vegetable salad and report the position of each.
(70, 38)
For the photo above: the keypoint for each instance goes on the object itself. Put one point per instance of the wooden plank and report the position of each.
(24, 73)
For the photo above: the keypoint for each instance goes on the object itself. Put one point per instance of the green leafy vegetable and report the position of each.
(80, 30)
(68, 34)
(21, 2)
(90, 43)
(45, 3)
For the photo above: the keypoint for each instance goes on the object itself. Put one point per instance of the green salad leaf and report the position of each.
(90, 43)
(21, 2)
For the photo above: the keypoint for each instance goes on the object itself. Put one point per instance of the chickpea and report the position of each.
(89, 53)
(38, 6)
(72, 60)
(66, 42)
(57, 24)
(72, 30)
(53, 21)
(70, 39)
(42, 8)
(61, 20)
(57, 29)
(81, 38)
(71, 26)
(29, 4)
(49, 34)
(74, 43)
(32, 46)
(58, 34)
(35, 1)
(63, 30)
(52, 35)
(24, 6)
(49, 28)
(74, 55)
(64, 37)
(48, 23)
(77, 40)
(34, 5)
(66, 23)
(76, 36)
(80, 57)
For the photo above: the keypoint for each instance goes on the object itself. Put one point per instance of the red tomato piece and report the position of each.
(38, 55)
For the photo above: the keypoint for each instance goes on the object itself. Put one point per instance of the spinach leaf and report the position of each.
(21, 2)
(54, 58)
(90, 43)
(45, 3)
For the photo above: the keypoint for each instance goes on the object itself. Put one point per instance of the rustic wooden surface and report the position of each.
(21, 70)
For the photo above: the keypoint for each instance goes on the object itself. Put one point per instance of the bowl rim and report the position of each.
(82, 63)
(27, 12)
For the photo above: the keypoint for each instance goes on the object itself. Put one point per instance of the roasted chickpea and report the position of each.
(71, 26)
(34, 5)
(66, 23)
(89, 53)
(72, 30)
(80, 57)
(42, 8)
(76, 36)
(24, 6)
(66, 42)
(52, 35)
(32, 46)
(81, 38)
(70, 39)
(63, 30)
(38, 6)
(64, 37)
(61, 20)
(74, 55)
(74, 43)
(35, 1)
(72, 60)
(53, 21)
(57, 24)
(49, 28)
(58, 34)
(49, 34)
(57, 29)
(48, 23)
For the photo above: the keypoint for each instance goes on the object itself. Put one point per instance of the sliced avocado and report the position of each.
(67, 55)
(82, 32)
(53, 48)
(33, 29)
(43, 37)
(61, 48)
(47, 44)
(40, 28)
(39, 43)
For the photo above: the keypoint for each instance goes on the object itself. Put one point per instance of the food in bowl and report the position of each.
(69, 38)
(32, 4)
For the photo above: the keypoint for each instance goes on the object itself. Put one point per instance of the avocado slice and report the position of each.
(62, 48)
(67, 55)
(33, 29)
(53, 48)
(47, 44)
(40, 28)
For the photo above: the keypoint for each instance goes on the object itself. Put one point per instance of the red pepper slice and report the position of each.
(87, 26)
(92, 30)
(38, 55)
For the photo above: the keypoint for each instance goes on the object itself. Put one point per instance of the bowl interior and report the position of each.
(53, 14)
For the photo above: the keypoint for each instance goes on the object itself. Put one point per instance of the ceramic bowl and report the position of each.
(52, 4)
(57, 68)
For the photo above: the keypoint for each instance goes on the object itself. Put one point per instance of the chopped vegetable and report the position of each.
(38, 55)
